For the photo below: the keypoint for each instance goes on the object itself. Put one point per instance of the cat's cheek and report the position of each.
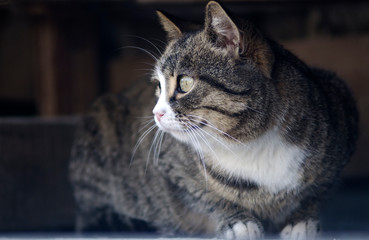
(162, 124)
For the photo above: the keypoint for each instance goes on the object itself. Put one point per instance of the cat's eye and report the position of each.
(185, 83)
(158, 90)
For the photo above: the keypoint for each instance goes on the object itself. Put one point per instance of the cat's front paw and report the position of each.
(247, 231)
(304, 230)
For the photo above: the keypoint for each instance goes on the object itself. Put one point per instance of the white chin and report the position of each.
(175, 130)
(181, 136)
(176, 133)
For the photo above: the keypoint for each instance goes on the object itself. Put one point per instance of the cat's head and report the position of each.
(214, 83)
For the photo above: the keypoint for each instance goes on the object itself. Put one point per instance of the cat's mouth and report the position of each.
(182, 126)
(185, 128)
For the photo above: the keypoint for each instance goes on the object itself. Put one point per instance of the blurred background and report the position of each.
(57, 56)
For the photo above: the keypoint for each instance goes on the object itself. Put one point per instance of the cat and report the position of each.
(249, 140)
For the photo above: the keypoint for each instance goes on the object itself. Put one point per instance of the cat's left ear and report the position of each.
(221, 29)
(173, 32)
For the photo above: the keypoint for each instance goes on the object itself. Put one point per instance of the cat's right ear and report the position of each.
(221, 30)
(173, 32)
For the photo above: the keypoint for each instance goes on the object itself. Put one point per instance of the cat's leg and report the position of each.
(303, 224)
(243, 230)
(302, 230)
(247, 228)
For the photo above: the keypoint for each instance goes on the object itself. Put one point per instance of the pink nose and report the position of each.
(159, 115)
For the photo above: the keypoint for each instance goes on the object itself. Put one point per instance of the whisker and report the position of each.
(221, 143)
(201, 135)
(190, 115)
(156, 143)
(143, 69)
(145, 75)
(148, 122)
(149, 64)
(139, 141)
(152, 145)
(156, 159)
(143, 50)
(204, 119)
(220, 131)
(148, 41)
(252, 109)
(217, 140)
(145, 117)
(199, 152)
(195, 142)
(209, 124)
(160, 41)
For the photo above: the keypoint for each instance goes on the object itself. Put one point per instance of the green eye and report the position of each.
(185, 84)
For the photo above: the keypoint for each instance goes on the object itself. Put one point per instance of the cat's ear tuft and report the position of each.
(173, 32)
(221, 29)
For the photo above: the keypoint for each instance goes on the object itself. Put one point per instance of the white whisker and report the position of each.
(139, 141)
(151, 148)
(149, 64)
(156, 158)
(202, 137)
(142, 49)
(148, 41)
(199, 152)
(160, 41)
(252, 109)
(220, 142)
(209, 124)
(151, 116)
(213, 137)
(147, 123)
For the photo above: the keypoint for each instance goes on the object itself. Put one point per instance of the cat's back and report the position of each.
(340, 106)
(333, 130)
(102, 149)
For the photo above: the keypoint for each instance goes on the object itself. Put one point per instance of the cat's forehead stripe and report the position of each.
(169, 63)
(168, 84)
(172, 83)
(161, 80)
(160, 76)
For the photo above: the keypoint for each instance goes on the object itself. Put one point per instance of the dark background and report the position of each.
(56, 57)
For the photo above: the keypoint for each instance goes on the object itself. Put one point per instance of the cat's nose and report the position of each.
(158, 115)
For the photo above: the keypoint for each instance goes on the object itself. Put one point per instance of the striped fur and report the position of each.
(254, 146)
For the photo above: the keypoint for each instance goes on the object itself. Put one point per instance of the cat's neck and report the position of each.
(269, 160)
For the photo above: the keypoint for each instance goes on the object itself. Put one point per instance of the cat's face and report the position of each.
(207, 90)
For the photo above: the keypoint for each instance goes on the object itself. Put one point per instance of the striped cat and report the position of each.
(248, 140)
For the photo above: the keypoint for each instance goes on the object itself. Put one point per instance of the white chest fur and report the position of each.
(269, 161)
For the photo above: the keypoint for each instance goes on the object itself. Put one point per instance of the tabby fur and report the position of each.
(252, 148)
